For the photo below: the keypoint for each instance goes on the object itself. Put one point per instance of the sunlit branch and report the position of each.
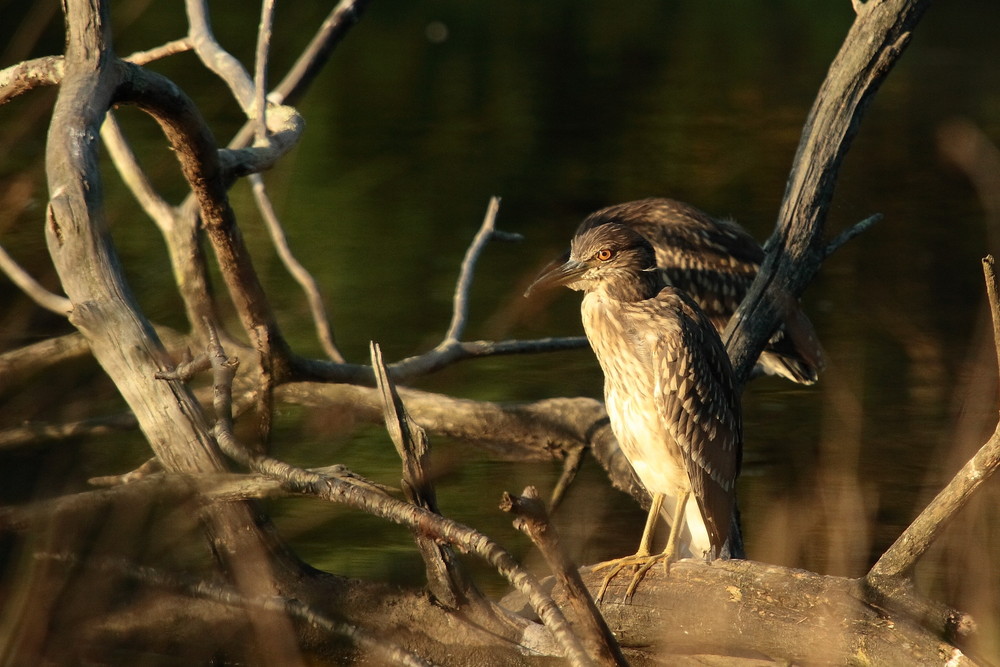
(873, 45)
(164, 50)
(533, 521)
(260, 68)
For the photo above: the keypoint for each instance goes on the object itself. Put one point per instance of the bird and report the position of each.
(715, 261)
(669, 391)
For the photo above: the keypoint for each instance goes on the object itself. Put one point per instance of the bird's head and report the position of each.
(612, 256)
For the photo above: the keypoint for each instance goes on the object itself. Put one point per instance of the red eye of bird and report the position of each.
(604, 254)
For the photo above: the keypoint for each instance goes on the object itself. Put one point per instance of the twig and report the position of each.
(217, 59)
(571, 466)
(324, 332)
(28, 75)
(533, 521)
(900, 558)
(164, 50)
(311, 61)
(460, 307)
(990, 270)
(51, 301)
(336, 26)
(260, 68)
(170, 488)
(185, 371)
(851, 232)
(433, 360)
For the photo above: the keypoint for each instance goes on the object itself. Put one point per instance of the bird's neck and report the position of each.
(633, 287)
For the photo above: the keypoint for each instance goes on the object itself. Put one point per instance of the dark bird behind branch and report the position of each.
(715, 261)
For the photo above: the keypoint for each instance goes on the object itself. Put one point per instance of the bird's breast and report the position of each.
(624, 348)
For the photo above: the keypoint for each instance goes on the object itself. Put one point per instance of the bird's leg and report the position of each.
(646, 542)
(641, 555)
(669, 551)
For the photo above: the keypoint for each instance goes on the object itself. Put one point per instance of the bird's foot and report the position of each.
(642, 562)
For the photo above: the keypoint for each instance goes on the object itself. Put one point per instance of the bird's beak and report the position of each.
(558, 274)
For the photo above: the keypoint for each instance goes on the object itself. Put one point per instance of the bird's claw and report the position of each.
(642, 561)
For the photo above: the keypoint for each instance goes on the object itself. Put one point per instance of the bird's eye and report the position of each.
(604, 254)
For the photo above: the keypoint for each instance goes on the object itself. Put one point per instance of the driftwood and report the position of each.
(263, 604)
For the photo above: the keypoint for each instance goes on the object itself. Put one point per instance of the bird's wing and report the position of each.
(699, 404)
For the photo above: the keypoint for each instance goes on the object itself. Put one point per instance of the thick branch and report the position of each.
(874, 43)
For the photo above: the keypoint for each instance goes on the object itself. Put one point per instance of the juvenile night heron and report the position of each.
(715, 261)
(668, 389)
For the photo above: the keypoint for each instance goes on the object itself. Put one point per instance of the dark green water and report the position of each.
(563, 107)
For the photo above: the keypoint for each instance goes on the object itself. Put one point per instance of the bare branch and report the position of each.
(311, 61)
(33, 433)
(571, 466)
(217, 59)
(797, 247)
(850, 233)
(900, 558)
(460, 308)
(28, 75)
(150, 467)
(336, 26)
(324, 332)
(260, 68)
(195, 147)
(433, 360)
(59, 305)
(445, 578)
(533, 521)
(164, 50)
(18, 364)
(48, 70)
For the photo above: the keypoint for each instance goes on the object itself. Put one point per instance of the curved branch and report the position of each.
(195, 147)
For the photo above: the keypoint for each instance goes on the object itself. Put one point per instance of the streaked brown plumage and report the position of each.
(715, 261)
(669, 388)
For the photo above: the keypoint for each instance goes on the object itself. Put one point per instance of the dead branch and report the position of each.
(446, 580)
(460, 308)
(890, 577)
(873, 45)
(533, 520)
